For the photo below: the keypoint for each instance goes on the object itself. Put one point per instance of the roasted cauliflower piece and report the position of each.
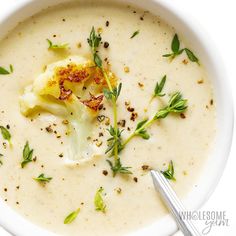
(71, 89)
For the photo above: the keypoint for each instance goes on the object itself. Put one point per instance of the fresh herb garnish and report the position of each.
(6, 134)
(114, 140)
(176, 104)
(169, 173)
(1, 155)
(134, 34)
(191, 56)
(94, 42)
(27, 155)
(71, 217)
(52, 46)
(98, 201)
(43, 178)
(175, 47)
(118, 168)
(159, 87)
(111, 94)
(114, 93)
(4, 71)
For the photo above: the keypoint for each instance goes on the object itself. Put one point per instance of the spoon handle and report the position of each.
(173, 203)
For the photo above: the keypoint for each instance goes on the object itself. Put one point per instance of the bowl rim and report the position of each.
(21, 226)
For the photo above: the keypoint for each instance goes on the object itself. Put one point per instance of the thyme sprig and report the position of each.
(175, 48)
(176, 104)
(111, 93)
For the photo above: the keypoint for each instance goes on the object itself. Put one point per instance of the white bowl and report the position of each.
(214, 166)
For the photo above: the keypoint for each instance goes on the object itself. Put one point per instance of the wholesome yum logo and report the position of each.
(211, 219)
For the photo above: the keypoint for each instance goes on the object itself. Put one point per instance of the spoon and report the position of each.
(173, 203)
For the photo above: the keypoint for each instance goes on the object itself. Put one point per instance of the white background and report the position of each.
(218, 17)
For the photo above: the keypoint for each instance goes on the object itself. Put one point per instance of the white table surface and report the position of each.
(219, 18)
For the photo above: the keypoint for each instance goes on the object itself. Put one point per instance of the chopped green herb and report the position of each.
(111, 94)
(27, 155)
(175, 105)
(114, 140)
(142, 132)
(71, 217)
(6, 134)
(56, 46)
(159, 87)
(4, 71)
(114, 93)
(98, 201)
(191, 56)
(169, 173)
(175, 47)
(43, 178)
(135, 34)
(1, 155)
(118, 168)
(94, 42)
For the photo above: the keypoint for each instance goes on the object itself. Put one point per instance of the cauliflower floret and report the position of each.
(71, 89)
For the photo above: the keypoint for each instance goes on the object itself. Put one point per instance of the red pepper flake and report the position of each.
(185, 61)
(182, 115)
(94, 102)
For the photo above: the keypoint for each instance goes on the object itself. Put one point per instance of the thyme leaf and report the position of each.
(99, 202)
(169, 173)
(159, 87)
(27, 155)
(71, 217)
(114, 93)
(5, 134)
(140, 131)
(1, 155)
(4, 71)
(53, 46)
(43, 178)
(134, 34)
(191, 56)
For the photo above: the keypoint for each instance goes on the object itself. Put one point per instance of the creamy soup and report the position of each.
(69, 148)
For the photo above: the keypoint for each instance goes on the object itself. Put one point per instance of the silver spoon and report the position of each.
(173, 203)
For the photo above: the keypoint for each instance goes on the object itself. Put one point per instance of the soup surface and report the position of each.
(133, 42)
